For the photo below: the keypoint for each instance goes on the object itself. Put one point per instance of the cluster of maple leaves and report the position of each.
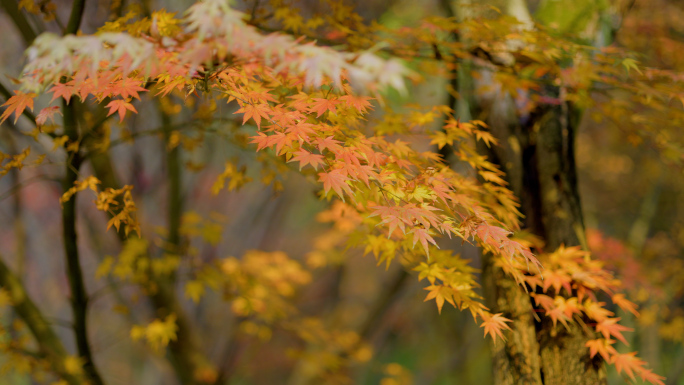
(307, 102)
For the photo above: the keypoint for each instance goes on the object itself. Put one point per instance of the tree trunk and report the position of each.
(538, 158)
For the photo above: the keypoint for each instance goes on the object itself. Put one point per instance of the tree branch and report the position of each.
(175, 202)
(48, 343)
(12, 9)
(75, 18)
(79, 296)
(185, 355)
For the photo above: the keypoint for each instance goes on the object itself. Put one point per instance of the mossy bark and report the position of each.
(538, 158)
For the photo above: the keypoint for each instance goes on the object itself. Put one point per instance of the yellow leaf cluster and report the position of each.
(111, 198)
(237, 178)
(158, 333)
(14, 161)
(88, 183)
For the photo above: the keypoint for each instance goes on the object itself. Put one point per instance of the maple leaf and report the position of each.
(65, 90)
(423, 235)
(321, 105)
(486, 137)
(262, 141)
(360, 103)
(301, 130)
(128, 87)
(393, 221)
(494, 325)
(628, 362)
(305, 157)
(441, 139)
(557, 314)
(47, 113)
(648, 375)
(625, 304)
(17, 104)
(300, 101)
(440, 293)
(177, 83)
(255, 111)
(557, 278)
(120, 106)
(596, 311)
(329, 143)
(610, 327)
(601, 346)
(336, 180)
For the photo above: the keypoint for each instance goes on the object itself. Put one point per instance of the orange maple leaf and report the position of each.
(390, 216)
(305, 157)
(65, 90)
(625, 304)
(17, 104)
(440, 293)
(601, 346)
(336, 180)
(120, 106)
(254, 111)
(322, 105)
(329, 143)
(610, 327)
(127, 87)
(360, 103)
(422, 235)
(494, 325)
(628, 362)
(648, 375)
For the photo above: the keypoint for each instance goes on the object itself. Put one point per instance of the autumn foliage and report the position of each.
(331, 109)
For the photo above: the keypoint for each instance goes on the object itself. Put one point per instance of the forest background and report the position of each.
(237, 249)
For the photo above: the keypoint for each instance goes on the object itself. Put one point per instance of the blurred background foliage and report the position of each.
(632, 202)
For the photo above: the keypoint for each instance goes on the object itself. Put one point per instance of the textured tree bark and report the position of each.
(565, 359)
(538, 157)
(515, 361)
